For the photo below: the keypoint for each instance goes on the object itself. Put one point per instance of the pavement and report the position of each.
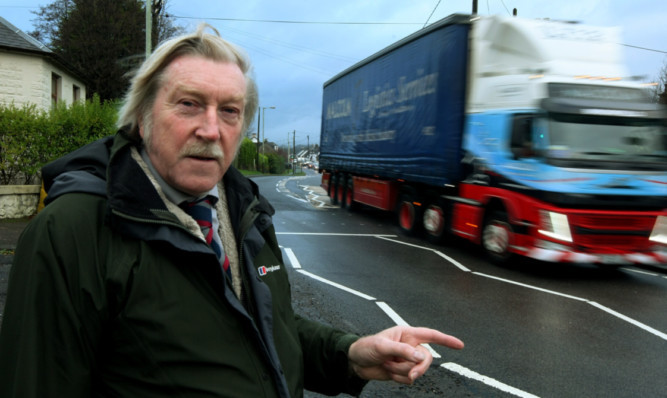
(10, 230)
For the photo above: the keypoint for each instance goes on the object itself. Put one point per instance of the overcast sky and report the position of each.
(293, 60)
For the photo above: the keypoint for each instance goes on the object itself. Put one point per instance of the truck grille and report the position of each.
(623, 223)
(622, 233)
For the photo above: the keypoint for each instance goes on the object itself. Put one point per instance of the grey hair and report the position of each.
(145, 84)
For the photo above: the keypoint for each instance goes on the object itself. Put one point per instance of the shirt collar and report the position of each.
(170, 192)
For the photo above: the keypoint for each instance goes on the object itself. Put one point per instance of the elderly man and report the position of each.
(140, 277)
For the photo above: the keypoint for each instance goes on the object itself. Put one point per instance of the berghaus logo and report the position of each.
(263, 270)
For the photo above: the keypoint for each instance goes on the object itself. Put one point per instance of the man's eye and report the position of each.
(230, 112)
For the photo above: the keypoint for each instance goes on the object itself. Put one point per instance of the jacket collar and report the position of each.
(131, 192)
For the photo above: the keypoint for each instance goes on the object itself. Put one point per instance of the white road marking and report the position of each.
(314, 195)
(398, 320)
(292, 258)
(337, 285)
(630, 320)
(486, 380)
(401, 322)
(451, 260)
(639, 272)
(593, 303)
(452, 366)
(530, 287)
(332, 234)
(465, 269)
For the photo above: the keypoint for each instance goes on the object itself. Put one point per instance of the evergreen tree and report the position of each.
(104, 39)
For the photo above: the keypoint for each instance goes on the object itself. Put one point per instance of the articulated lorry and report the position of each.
(524, 136)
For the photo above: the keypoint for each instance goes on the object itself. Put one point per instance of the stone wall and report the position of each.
(18, 201)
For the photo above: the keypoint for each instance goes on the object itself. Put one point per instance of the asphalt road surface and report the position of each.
(531, 329)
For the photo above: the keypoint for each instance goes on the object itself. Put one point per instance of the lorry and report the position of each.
(524, 136)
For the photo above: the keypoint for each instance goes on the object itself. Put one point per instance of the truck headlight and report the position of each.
(555, 225)
(659, 233)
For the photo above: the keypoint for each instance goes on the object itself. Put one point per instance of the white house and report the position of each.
(32, 73)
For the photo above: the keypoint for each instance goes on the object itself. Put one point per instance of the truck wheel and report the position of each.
(342, 191)
(409, 215)
(497, 237)
(435, 219)
(333, 189)
(348, 198)
(329, 185)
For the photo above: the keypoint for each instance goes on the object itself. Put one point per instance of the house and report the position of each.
(32, 73)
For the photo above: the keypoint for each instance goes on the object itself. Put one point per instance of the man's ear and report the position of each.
(140, 123)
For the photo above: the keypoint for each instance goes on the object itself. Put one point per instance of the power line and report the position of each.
(297, 22)
(353, 23)
(293, 46)
(429, 17)
(644, 48)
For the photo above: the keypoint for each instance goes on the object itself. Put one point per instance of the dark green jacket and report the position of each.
(111, 296)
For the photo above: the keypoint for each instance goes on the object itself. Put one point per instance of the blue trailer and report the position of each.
(523, 136)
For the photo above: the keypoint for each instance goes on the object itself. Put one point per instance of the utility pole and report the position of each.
(149, 27)
(474, 7)
(263, 121)
(294, 147)
(259, 117)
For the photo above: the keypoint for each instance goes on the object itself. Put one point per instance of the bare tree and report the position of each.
(49, 18)
(661, 89)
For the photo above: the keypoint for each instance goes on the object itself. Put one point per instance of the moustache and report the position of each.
(202, 150)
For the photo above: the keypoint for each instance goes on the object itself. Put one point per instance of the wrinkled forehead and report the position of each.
(196, 67)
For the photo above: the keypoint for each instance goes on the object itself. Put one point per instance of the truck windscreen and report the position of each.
(604, 141)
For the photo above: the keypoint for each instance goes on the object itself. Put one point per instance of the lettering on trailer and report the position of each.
(404, 91)
(369, 136)
(339, 108)
(386, 98)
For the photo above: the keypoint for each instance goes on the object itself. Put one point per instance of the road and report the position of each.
(531, 329)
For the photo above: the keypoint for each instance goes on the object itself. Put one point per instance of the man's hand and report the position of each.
(396, 353)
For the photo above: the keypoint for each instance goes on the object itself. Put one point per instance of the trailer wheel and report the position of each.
(409, 215)
(498, 237)
(329, 182)
(348, 197)
(435, 221)
(342, 190)
(333, 188)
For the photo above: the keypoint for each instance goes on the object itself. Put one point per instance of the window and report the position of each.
(56, 84)
(76, 93)
(522, 136)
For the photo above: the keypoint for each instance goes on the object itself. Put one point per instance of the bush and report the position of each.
(245, 160)
(30, 138)
(276, 164)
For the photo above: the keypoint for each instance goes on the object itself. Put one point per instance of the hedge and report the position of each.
(30, 138)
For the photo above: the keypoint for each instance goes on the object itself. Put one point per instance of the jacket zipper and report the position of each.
(246, 224)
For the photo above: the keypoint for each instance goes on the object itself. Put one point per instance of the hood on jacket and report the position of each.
(85, 170)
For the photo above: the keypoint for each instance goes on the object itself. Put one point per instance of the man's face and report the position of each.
(196, 123)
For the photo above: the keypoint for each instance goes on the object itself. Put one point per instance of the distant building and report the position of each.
(32, 73)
